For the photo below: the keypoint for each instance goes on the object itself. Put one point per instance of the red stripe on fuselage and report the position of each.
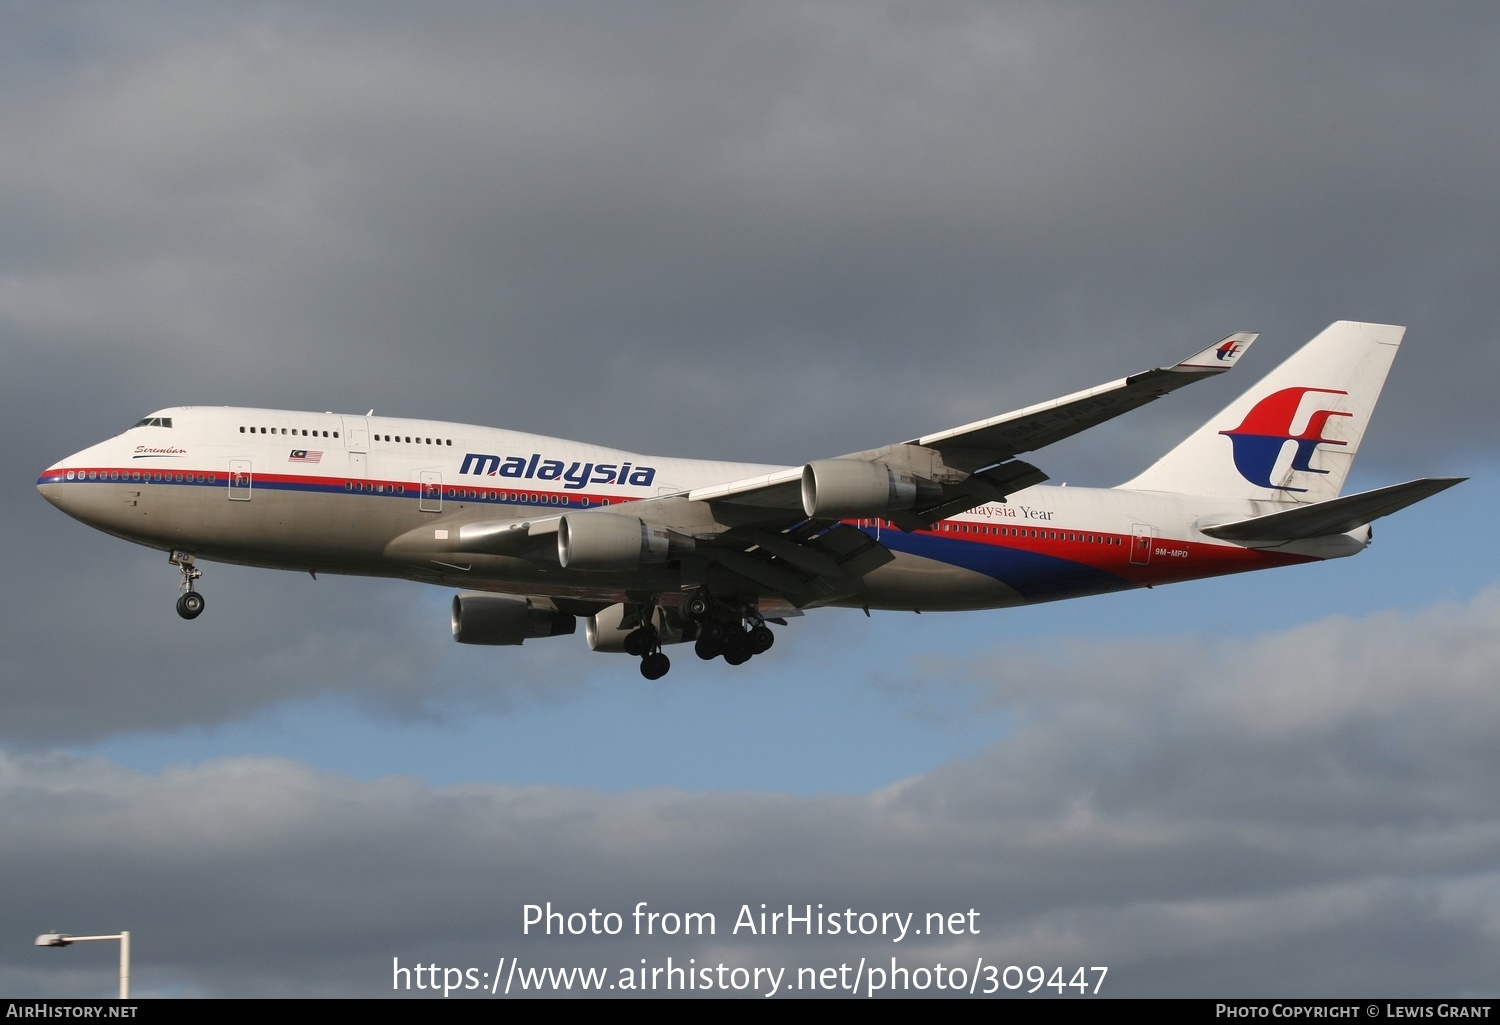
(1170, 560)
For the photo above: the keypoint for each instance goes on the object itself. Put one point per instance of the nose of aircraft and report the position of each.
(61, 483)
(53, 485)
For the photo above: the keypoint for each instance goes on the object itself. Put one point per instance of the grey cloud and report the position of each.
(447, 213)
(729, 233)
(1207, 829)
(768, 234)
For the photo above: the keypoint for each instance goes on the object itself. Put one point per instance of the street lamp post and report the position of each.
(62, 939)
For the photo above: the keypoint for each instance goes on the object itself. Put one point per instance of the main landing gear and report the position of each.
(735, 632)
(190, 603)
(645, 641)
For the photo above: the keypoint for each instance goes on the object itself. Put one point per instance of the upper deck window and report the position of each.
(153, 421)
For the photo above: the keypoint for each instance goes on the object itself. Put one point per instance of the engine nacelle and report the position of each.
(605, 633)
(836, 488)
(505, 619)
(604, 541)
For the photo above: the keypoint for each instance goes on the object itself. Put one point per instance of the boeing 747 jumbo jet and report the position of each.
(651, 551)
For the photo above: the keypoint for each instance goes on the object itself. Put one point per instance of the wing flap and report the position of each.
(796, 588)
(802, 564)
(992, 485)
(857, 553)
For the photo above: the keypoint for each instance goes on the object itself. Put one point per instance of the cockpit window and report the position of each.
(154, 421)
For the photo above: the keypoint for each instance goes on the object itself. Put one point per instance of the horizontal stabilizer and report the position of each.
(1336, 516)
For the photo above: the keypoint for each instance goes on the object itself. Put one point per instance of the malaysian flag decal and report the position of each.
(302, 455)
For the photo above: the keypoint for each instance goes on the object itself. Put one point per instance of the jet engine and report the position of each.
(505, 619)
(605, 633)
(604, 541)
(836, 488)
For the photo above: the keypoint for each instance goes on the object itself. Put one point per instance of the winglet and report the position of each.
(1219, 356)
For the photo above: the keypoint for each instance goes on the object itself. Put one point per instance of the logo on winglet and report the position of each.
(1267, 427)
(1228, 351)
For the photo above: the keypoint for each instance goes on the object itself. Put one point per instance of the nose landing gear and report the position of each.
(190, 603)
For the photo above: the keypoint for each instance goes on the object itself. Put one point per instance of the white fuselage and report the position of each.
(334, 493)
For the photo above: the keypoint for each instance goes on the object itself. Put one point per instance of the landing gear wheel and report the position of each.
(761, 638)
(737, 648)
(708, 648)
(639, 641)
(190, 605)
(655, 665)
(697, 606)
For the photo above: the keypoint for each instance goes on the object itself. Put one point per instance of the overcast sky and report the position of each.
(768, 233)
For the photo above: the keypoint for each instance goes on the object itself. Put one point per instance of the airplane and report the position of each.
(650, 551)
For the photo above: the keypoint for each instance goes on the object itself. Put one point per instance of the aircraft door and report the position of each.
(356, 444)
(432, 491)
(239, 480)
(356, 434)
(1140, 545)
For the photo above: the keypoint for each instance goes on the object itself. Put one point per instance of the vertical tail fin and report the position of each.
(1293, 436)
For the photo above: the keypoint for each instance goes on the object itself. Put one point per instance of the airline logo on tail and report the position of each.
(1267, 428)
(1227, 351)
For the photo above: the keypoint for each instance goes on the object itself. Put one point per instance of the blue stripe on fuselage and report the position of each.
(1034, 576)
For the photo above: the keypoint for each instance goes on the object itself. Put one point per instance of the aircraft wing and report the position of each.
(783, 532)
(966, 466)
(784, 528)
